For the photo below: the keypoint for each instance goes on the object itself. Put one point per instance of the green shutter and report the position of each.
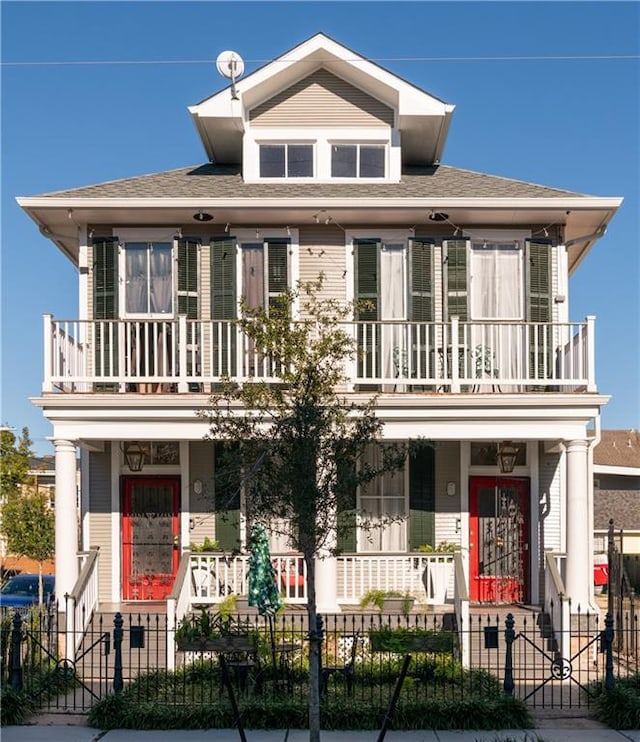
(105, 307)
(223, 278)
(346, 489)
(422, 497)
(456, 256)
(421, 266)
(367, 279)
(226, 499)
(188, 278)
(105, 278)
(277, 270)
(539, 307)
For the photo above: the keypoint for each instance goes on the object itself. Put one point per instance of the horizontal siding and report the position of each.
(201, 506)
(447, 506)
(322, 100)
(100, 517)
(322, 250)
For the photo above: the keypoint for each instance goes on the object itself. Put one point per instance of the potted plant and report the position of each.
(206, 545)
(198, 632)
(388, 601)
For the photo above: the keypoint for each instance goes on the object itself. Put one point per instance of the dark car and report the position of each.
(21, 591)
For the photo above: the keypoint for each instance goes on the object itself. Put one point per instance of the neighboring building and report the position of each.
(616, 471)
(324, 161)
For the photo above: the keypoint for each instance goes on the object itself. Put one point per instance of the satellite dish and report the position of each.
(230, 65)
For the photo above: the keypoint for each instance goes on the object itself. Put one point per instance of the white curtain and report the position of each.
(392, 307)
(497, 293)
(136, 278)
(383, 509)
(160, 278)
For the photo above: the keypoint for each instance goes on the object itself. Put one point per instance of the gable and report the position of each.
(322, 100)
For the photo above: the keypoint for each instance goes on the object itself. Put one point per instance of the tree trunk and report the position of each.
(315, 647)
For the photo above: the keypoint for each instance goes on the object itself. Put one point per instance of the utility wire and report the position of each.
(549, 58)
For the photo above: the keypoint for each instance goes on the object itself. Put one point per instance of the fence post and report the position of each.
(509, 638)
(118, 683)
(610, 567)
(609, 679)
(15, 667)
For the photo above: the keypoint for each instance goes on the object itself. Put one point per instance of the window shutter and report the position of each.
(223, 281)
(539, 283)
(188, 277)
(457, 252)
(421, 266)
(367, 279)
(277, 271)
(346, 489)
(105, 307)
(226, 498)
(105, 278)
(539, 307)
(422, 497)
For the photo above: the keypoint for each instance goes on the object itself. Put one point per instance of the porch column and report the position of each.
(66, 556)
(579, 572)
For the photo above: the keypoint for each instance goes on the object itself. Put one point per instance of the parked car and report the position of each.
(21, 591)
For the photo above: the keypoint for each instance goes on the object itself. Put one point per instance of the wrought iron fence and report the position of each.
(362, 656)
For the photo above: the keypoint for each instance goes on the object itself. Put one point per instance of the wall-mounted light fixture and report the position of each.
(202, 216)
(507, 455)
(134, 453)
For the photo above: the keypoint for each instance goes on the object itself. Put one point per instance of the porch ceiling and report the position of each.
(64, 220)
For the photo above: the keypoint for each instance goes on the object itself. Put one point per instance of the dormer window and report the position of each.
(358, 160)
(286, 161)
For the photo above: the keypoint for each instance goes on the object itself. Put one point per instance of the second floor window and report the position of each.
(148, 279)
(286, 160)
(357, 161)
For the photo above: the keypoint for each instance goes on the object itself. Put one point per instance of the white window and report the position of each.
(358, 160)
(148, 279)
(286, 160)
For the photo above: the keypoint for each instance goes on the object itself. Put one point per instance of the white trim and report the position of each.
(116, 518)
(185, 495)
(541, 203)
(85, 520)
(623, 471)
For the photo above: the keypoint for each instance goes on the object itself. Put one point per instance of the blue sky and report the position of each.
(570, 123)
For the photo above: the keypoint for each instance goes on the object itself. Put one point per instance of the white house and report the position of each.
(324, 161)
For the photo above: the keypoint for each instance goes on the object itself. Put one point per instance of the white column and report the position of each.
(579, 572)
(66, 520)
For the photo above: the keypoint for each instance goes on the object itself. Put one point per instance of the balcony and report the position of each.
(182, 356)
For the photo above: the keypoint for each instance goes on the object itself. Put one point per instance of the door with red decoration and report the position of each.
(150, 536)
(499, 539)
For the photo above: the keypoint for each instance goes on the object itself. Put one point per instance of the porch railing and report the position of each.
(81, 602)
(427, 577)
(181, 355)
(214, 576)
(556, 603)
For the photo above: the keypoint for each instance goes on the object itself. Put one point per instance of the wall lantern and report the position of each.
(134, 453)
(507, 454)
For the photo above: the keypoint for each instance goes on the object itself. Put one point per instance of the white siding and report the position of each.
(447, 506)
(100, 517)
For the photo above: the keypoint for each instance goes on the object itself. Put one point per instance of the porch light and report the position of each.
(438, 216)
(134, 453)
(202, 216)
(507, 454)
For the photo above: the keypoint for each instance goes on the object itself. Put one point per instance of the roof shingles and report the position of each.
(217, 181)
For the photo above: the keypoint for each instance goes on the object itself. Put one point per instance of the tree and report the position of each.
(15, 458)
(28, 525)
(298, 443)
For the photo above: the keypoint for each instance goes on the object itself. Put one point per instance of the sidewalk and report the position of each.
(59, 733)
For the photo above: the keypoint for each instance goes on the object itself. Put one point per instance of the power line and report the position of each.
(532, 58)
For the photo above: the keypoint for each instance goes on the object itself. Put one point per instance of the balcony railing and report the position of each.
(396, 356)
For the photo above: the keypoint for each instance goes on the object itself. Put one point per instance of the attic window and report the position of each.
(358, 161)
(286, 160)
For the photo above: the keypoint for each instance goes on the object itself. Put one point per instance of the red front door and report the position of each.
(499, 539)
(150, 536)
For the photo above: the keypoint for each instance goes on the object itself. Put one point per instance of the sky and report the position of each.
(94, 91)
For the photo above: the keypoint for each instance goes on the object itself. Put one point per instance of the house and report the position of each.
(616, 471)
(322, 161)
